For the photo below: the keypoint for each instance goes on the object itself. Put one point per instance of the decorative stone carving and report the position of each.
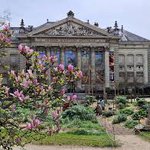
(71, 29)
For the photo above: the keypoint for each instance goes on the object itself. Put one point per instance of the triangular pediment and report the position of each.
(69, 27)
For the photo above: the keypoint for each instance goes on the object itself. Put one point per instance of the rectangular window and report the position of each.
(70, 58)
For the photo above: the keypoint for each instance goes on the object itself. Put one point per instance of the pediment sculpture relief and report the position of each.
(70, 29)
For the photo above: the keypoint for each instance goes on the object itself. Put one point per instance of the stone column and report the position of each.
(92, 68)
(79, 65)
(62, 51)
(145, 68)
(106, 68)
(48, 55)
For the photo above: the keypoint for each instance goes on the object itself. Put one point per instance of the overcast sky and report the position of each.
(133, 14)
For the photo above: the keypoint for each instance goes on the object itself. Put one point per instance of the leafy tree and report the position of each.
(39, 90)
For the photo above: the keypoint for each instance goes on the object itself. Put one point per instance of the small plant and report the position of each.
(131, 123)
(121, 102)
(136, 116)
(139, 114)
(108, 113)
(119, 118)
(127, 111)
(121, 99)
(81, 112)
(141, 102)
(90, 100)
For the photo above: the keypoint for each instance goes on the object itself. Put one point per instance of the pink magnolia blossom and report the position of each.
(19, 95)
(52, 59)
(12, 72)
(55, 114)
(33, 124)
(26, 83)
(29, 126)
(6, 28)
(70, 68)
(36, 123)
(25, 49)
(62, 92)
(74, 97)
(61, 67)
(2, 36)
(79, 74)
(30, 73)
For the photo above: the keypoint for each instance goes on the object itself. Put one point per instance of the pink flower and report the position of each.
(20, 47)
(26, 83)
(36, 123)
(61, 67)
(70, 68)
(55, 114)
(29, 126)
(30, 73)
(2, 36)
(62, 91)
(52, 59)
(25, 49)
(33, 124)
(79, 74)
(19, 95)
(12, 72)
(68, 98)
(74, 97)
(6, 28)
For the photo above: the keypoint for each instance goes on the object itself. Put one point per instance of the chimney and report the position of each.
(96, 24)
(22, 23)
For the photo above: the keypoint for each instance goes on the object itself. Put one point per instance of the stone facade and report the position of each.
(108, 57)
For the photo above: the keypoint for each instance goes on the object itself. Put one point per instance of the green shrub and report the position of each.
(139, 114)
(121, 99)
(89, 100)
(131, 123)
(141, 102)
(119, 118)
(136, 116)
(81, 112)
(142, 113)
(127, 111)
(108, 113)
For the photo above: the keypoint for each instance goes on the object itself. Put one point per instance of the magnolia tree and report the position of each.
(40, 90)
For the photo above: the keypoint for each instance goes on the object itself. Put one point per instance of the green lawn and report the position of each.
(145, 135)
(102, 140)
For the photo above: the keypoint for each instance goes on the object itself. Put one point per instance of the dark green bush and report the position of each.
(136, 116)
(142, 113)
(131, 123)
(119, 118)
(127, 111)
(121, 106)
(139, 114)
(89, 100)
(121, 99)
(108, 113)
(141, 102)
(81, 112)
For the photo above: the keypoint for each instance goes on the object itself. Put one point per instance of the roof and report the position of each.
(132, 37)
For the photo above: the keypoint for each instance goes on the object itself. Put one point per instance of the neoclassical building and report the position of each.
(109, 58)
